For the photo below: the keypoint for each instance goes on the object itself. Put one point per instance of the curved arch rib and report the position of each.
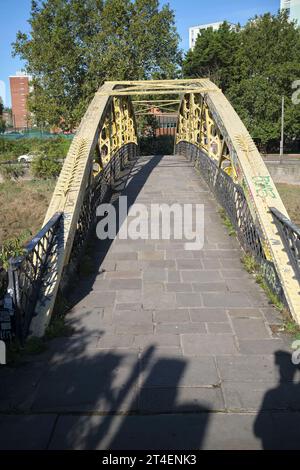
(209, 121)
(113, 116)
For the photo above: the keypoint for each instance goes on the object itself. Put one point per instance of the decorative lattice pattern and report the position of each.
(290, 234)
(231, 196)
(28, 272)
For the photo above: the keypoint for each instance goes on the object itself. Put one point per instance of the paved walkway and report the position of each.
(171, 349)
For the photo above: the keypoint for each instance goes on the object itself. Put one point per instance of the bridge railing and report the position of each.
(26, 274)
(231, 197)
(290, 234)
(97, 193)
(29, 274)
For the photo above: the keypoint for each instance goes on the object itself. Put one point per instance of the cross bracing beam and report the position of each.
(156, 101)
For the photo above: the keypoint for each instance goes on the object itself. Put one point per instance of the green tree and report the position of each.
(45, 167)
(261, 63)
(213, 55)
(2, 125)
(75, 45)
(2, 122)
(268, 62)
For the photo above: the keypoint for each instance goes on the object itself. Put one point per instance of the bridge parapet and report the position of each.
(209, 131)
(209, 123)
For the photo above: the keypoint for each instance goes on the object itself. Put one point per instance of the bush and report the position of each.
(54, 147)
(45, 167)
(2, 125)
(162, 145)
(12, 172)
(13, 248)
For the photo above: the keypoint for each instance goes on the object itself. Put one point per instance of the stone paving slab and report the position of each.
(185, 340)
(179, 431)
(26, 432)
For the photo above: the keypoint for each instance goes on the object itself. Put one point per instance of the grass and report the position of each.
(32, 347)
(250, 264)
(227, 222)
(289, 325)
(290, 194)
(252, 267)
(16, 354)
(273, 298)
(23, 206)
(292, 328)
(58, 328)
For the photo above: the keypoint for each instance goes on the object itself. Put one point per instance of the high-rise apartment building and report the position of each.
(196, 30)
(293, 9)
(19, 89)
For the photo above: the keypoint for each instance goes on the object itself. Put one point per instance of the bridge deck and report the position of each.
(170, 348)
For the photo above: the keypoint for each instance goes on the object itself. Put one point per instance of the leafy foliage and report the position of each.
(11, 172)
(13, 248)
(227, 222)
(213, 54)
(161, 145)
(2, 122)
(255, 66)
(53, 148)
(75, 45)
(45, 167)
(2, 125)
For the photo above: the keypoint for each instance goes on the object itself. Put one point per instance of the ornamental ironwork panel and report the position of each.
(26, 274)
(290, 233)
(231, 197)
(97, 193)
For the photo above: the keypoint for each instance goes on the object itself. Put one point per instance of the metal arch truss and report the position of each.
(208, 122)
(107, 138)
(105, 141)
(197, 126)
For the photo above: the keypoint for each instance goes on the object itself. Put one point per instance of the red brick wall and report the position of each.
(19, 88)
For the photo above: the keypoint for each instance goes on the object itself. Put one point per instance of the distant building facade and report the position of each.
(166, 122)
(7, 118)
(293, 9)
(196, 30)
(19, 89)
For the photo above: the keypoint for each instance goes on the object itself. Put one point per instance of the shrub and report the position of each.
(12, 172)
(45, 167)
(162, 145)
(12, 248)
(54, 147)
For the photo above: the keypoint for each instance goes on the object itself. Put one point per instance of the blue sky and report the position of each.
(14, 15)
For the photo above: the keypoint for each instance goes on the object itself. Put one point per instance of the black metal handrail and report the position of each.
(290, 234)
(26, 273)
(231, 196)
(96, 194)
